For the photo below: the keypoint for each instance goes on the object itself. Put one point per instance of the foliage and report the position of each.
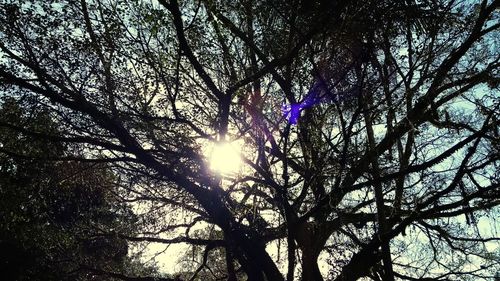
(53, 212)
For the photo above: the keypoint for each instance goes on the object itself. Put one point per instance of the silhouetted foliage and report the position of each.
(53, 212)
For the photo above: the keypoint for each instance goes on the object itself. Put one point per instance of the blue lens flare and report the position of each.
(292, 112)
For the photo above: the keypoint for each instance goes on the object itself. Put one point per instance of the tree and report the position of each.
(369, 129)
(52, 212)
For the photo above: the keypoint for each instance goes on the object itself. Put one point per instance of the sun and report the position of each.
(224, 158)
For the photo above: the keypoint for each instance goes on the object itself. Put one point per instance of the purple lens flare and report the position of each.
(292, 112)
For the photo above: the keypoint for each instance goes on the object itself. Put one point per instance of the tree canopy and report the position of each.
(367, 131)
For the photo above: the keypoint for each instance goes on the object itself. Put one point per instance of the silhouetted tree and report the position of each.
(369, 129)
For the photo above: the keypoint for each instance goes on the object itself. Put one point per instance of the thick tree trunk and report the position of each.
(310, 269)
(310, 242)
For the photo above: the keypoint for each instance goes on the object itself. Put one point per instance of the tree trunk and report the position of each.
(310, 243)
(310, 269)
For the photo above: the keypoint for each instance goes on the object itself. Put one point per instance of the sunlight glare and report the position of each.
(224, 158)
